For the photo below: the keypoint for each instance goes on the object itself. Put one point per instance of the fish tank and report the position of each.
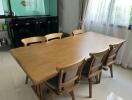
(29, 7)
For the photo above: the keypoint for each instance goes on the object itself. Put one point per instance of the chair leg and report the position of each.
(111, 71)
(26, 81)
(97, 79)
(39, 91)
(90, 88)
(72, 95)
(100, 77)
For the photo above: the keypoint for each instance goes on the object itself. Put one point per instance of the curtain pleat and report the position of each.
(82, 8)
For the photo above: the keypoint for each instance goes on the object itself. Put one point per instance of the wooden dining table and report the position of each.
(41, 61)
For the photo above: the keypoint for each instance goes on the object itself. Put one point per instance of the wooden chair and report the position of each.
(93, 68)
(77, 32)
(30, 41)
(67, 79)
(111, 56)
(53, 36)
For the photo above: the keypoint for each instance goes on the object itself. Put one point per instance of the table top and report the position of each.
(40, 61)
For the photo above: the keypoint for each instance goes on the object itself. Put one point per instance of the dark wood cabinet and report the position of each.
(23, 27)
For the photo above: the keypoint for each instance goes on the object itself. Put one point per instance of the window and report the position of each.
(131, 16)
(4, 8)
(121, 12)
(112, 12)
(1, 8)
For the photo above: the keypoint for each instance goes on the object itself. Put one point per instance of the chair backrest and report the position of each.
(77, 32)
(70, 76)
(32, 40)
(111, 56)
(53, 36)
(96, 63)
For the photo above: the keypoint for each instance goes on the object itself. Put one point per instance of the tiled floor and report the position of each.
(12, 85)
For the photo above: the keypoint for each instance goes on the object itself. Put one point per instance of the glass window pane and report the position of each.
(121, 12)
(6, 7)
(1, 8)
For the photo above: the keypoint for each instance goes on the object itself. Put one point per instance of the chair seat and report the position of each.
(85, 72)
(53, 83)
(105, 68)
(86, 68)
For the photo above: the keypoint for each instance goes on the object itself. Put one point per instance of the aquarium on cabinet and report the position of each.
(29, 7)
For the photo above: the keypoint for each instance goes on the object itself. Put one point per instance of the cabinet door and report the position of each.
(54, 27)
(43, 29)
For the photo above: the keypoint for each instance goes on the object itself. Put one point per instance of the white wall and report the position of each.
(69, 15)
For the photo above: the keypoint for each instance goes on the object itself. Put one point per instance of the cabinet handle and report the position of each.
(27, 24)
(49, 22)
(37, 22)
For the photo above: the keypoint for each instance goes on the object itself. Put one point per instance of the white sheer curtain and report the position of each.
(111, 17)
